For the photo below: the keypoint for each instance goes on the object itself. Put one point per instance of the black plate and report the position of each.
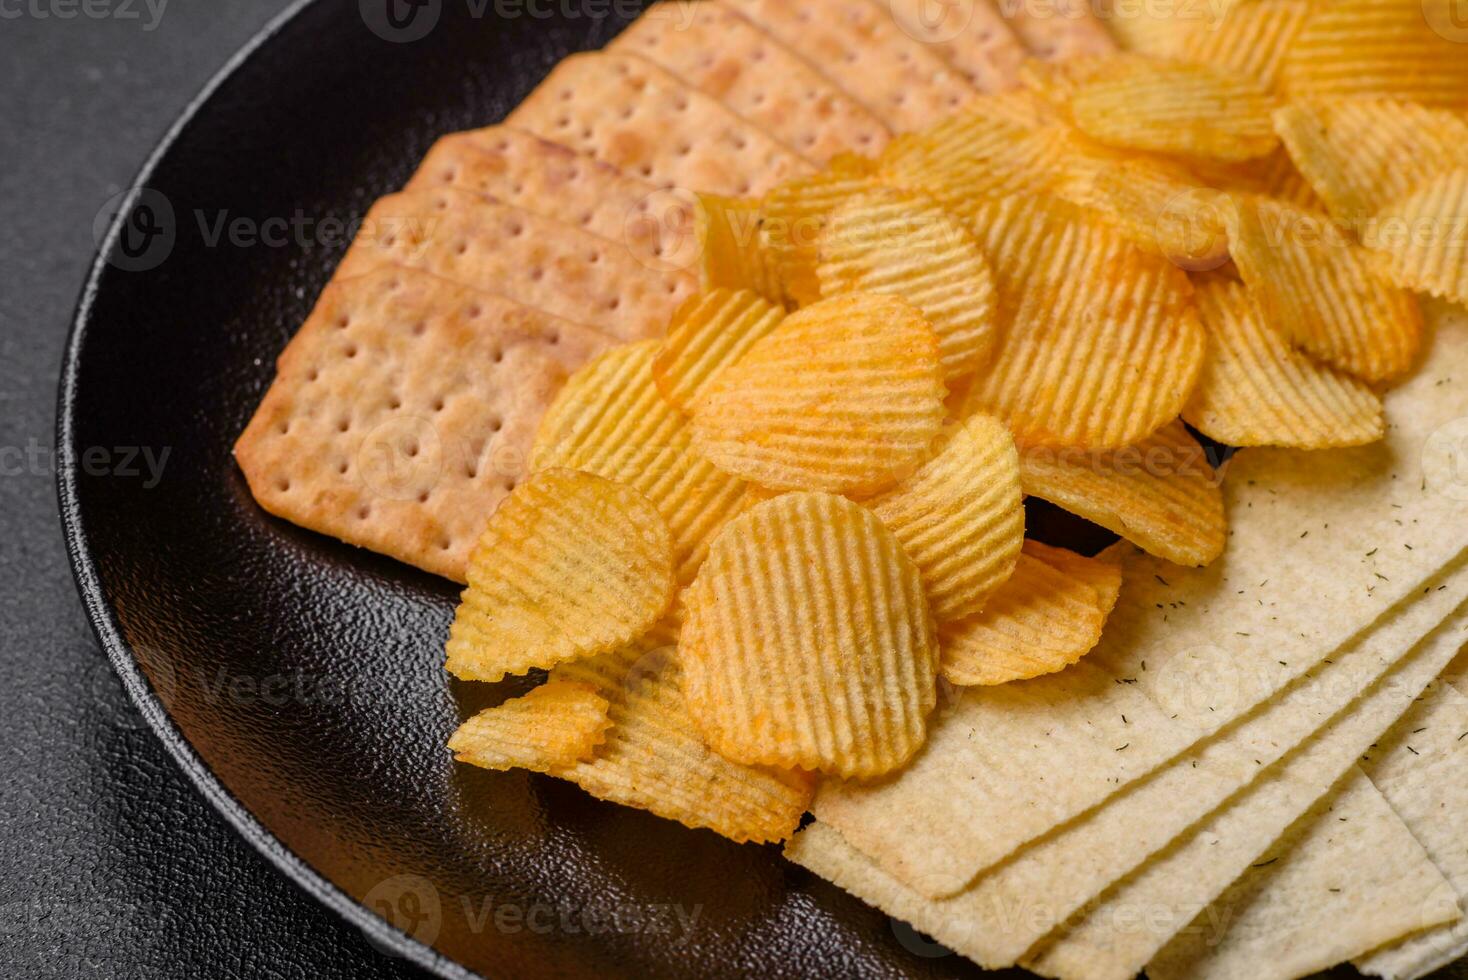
(299, 681)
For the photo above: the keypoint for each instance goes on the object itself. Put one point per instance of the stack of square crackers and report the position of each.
(1262, 770)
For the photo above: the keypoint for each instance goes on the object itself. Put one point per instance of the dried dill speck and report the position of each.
(1123, 747)
(1162, 580)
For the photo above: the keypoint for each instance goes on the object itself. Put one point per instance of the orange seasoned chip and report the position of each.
(808, 642)
(1161, 494)
(1100, 342)
(1424, 237)
(571, 565)
(555, 725)
(1403, 49)
(795, 213)
(1255, 390)
(846, 395)
(1362, 155)
(1313, 282)
(654, 756)
(1272, 176)
(708, 333)
(1252, 39)
(1175, 107)
(610, 419)
(900, 243)
(732, 254)
(1049, 615)
(961, 517)
(971, 158)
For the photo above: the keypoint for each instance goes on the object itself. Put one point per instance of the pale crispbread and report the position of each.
(1422, 770)
(1014, 905)
(859, 45)
(965, 803)
(552, 266)
(551, 180)
(403, 412)
(1058, 30)
(1185, 879)
(969, 34)
(628, 112)
(725, 56)
(1348, 877)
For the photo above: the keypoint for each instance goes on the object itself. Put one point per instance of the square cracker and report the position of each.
(1381, 521)
(859, 45)
(628, 112)
(556, 182)
(970, 35)
(725, 56)
(403, 412)
(555, 267)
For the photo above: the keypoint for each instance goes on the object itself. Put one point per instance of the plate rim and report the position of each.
(98, 611)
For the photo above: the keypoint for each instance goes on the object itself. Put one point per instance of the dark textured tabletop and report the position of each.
(111, 864)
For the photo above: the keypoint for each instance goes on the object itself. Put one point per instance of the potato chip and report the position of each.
(1156, 203)
(1424, 238)
(1271, 176)
(846, 395)
(610, 419)
(1252, 39)
(1185, 109)
(654, 757)
(971, 158)
(899, 243)
(1311, 281)
(731, 250)
(1362, 155)
(557, 724)
(1158, 30)
(795, 213)
(1257, 391)
(1101, 343)
(1161, 494)
(961, 517)
(1047, 616)
(571, 565)
(707, 334)
(808, 642)
(1404, 49)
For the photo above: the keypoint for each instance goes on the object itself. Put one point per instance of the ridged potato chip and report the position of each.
(1403, 49)
(1255, 390)
(610, 419)
(1049, 615)
(961, 517)
(571, 565)
(708, 333)
(1362, 155)
(846, 395)
(973, 158)
(1424, 238)
(555, 725)
(899, 243)
(795, 214)
(1161, 494)
(654, 757)
(732, 253)
(1158, 204)
(1252, 39)
(808, 642)
(1272, 176)
(1101, 342)
(1320, 287)
(1185, 109)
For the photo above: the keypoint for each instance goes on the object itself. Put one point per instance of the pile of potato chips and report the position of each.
(829, 451)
